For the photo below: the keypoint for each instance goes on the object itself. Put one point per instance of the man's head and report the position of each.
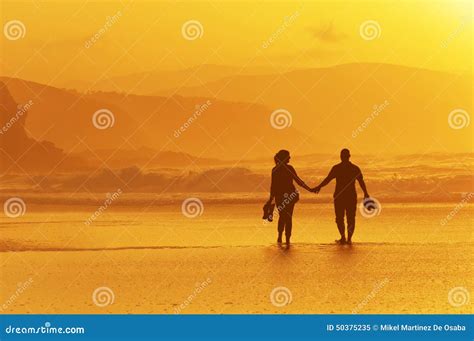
(345, 155)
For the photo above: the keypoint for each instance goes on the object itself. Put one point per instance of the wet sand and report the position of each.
(221, 264)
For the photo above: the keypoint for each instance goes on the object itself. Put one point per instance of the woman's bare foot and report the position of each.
(341, 241)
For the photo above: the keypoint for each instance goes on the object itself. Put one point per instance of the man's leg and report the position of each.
(351, 213)
(339, 210)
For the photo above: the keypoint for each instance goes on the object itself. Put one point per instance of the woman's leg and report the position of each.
(281, 225)
(289, 222)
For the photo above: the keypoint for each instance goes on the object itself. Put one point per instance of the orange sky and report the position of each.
(145, 35)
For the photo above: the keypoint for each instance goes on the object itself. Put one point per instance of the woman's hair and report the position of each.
(283, 156)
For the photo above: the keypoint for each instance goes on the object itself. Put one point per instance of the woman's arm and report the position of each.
(298, 179)
(272, 190)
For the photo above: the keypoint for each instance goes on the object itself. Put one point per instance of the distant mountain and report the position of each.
(370, 107)
(205, 128)
(146, 83)
(19, 152)
(146, 158)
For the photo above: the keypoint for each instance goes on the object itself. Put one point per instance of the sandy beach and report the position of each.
(226, 261)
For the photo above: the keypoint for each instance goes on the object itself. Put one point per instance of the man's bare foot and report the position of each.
(349, 242)
(287, 242)
(341, 241)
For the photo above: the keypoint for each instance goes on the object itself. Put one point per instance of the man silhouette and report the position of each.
(345, 196)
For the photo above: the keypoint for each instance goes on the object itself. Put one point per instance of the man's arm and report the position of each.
(361, 181)
(331, 175)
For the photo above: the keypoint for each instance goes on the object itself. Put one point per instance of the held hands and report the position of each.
(316, 189)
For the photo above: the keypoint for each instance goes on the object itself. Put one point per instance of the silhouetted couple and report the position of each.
(286, 195)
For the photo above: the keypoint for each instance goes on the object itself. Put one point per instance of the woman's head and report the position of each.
(282, 157)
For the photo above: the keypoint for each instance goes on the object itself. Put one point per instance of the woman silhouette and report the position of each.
(285, 193)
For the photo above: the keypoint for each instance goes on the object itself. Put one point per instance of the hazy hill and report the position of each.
(215, 129)
(21, 153)
(333, 102)
(146, 158)
(146, 83)
(370, 108)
